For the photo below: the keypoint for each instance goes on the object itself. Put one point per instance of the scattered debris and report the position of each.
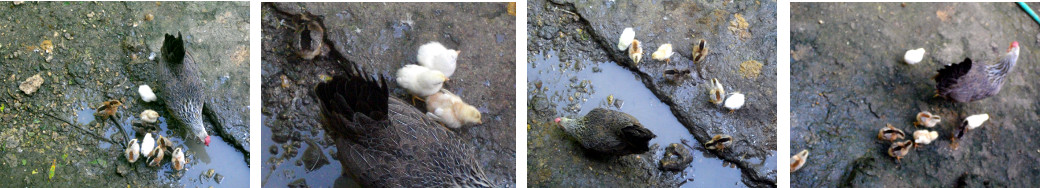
(30, 85)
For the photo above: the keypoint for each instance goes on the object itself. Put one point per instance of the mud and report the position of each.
(382, 37)
(848, 81)
(91, 52)
(583, 35)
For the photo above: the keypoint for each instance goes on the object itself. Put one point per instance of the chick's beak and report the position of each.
(457, 52)
(207, 140)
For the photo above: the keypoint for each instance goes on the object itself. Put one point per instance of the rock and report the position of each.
(298, 183)
(30, 85)
(122, 169)
(676, 157)
(313, 158)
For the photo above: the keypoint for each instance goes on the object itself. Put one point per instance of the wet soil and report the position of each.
(567, 39)
(849, 80)
(91, 52)
(382, 37)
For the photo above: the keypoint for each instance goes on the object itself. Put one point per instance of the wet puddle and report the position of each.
(280, 171)
(229, 165)
(578, 87)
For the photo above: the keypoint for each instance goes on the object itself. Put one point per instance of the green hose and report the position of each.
(1030, 11)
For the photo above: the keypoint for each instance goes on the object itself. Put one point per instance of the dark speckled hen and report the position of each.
(969, 81)
(608, 132)
(182, 87)
(384, 142)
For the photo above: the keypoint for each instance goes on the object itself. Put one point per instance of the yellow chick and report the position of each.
(900, 149)
(922, 137)
(798, 160)
(635, 52)
(663, 53)
(450, 110)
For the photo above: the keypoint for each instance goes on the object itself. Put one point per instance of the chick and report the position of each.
(798, 160)
(900, 149)
(927, 119)
(108, 108)
(420, 81)
(700, 50)
(718, 142)
(157, 155)
(635, 52)
(914, 56)
(923, 137)
(450, 110)
(890, 133)
(663, 53)
(716, 93)
(147, 144)
(146, 93)
(734, 101)
(163, 142)
(178, 159)
(627, 36)
(974, 121)
(435, 56)
(133, 151)
(971, 122)
(150, 116)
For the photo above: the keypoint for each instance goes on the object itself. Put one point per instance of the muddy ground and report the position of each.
(848, 80)
(742, 40)
(90, 52)
(382, 37)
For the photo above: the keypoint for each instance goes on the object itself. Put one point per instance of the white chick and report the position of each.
(419, 80)
(150, 116)
(147, 144)
(178, 159)
(914, 56)
(974, 121)
(435, 56)
(449, 109)
(663, 53)
(627, 36)
(734, 101)
(146, 93)
(922, 137)
(133, 151)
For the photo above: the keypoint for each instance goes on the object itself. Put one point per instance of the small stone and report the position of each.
(820, 21)
(16, 3)
(209, 173)
(148, 17)
(30, 85)
(218, 178)
(68, 36)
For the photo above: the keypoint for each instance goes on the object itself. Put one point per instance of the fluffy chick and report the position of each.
(419, 80)
(450, 110)
(435, 56)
